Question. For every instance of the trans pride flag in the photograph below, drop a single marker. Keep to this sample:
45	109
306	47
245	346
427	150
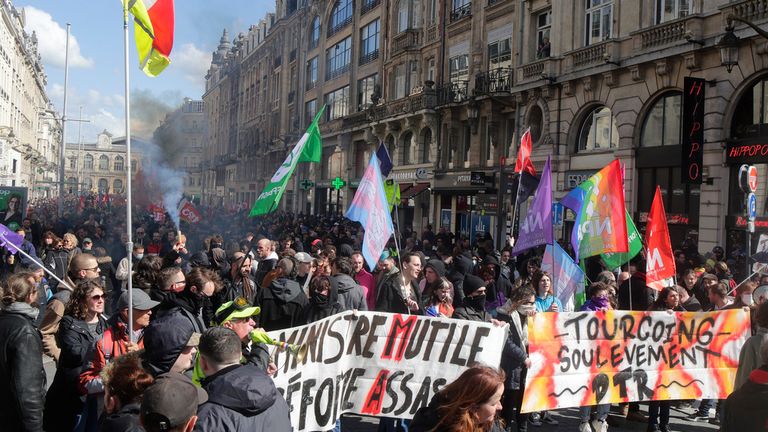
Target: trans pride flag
601	224
370	208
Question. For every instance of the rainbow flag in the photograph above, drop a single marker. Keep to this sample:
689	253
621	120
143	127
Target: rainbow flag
600	226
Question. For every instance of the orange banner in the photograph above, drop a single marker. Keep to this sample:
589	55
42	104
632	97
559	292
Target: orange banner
589	358
660	261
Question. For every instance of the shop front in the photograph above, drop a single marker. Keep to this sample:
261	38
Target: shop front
457	195
415	200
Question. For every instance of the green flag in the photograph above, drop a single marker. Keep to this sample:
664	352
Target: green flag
618	259
308	149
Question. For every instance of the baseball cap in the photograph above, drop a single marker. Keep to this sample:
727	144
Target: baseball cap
303	257
87	240
170	402
315	242
141	301
237	308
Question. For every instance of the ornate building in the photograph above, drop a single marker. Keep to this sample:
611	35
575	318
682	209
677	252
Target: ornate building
30	132
451	86
100	166
183	132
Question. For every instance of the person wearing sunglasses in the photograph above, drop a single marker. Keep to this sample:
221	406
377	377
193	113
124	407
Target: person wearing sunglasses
81	327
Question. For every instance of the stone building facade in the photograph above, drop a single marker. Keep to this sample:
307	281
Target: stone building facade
449	87
182	133
30	131
100	167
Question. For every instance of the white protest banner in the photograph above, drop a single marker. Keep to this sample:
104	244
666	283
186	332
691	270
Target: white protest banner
377	363
589	358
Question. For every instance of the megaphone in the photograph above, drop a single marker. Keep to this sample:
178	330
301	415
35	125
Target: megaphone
299	351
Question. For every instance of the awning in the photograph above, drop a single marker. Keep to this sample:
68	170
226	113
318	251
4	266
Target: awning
413	190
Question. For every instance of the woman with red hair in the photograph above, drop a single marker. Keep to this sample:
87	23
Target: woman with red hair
469	404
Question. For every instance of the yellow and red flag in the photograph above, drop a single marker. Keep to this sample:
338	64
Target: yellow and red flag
153	29
659	258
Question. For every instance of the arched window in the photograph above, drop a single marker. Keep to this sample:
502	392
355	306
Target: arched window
87	184
103	185
341	15
117	186
662	124
88	162
598	132
751	116
119	163
103	163
314	33
408	149
426	145
72	184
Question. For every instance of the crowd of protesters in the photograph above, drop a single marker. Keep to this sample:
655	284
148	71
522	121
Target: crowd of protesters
200	291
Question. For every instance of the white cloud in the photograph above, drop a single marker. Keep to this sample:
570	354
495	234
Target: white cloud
51	40
192	62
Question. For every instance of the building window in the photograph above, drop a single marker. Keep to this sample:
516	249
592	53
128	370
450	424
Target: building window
751	119
668	10
426	145
461	9
87	184
337	103
368	5
598	132
103	185
119	163
338	58
458	68
543	27
432	11
400	91
599	21
369	42
88	162
365	88
431	70
341	16
662	125
311	72
72	163
467	147
408	149
314	33
413	76
408	15
500	54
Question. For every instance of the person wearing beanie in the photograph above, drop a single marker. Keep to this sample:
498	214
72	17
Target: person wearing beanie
434	270
473	305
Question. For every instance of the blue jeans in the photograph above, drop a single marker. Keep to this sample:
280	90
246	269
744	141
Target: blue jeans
601	412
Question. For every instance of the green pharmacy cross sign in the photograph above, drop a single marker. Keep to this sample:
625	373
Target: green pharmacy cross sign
306	184
338	183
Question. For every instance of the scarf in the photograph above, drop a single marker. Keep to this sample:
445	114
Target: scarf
22	308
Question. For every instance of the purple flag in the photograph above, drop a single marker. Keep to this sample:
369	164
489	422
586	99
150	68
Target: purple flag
536	228
9	239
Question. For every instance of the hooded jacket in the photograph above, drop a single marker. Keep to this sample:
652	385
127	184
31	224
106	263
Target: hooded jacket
282	305
462	266
242	398
351	295
21	370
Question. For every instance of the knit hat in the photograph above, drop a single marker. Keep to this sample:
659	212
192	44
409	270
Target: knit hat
471	284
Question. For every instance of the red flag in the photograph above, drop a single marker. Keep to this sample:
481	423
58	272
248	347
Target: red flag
523	162
660	261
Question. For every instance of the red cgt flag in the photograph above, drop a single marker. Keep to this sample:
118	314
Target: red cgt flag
523	162
660	261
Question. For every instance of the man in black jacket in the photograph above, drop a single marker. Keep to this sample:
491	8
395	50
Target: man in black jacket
401	294
283	301
473	305
240	397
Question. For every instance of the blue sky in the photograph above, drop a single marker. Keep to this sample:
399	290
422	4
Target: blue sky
96	78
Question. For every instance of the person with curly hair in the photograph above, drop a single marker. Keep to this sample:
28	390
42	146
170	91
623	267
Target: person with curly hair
469	404
80	328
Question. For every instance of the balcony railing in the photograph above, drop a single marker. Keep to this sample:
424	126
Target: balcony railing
432	33
589	55
368	57
406	40
368	5
497	80
751	10
662	34
461	12
453	92
337	28
331	74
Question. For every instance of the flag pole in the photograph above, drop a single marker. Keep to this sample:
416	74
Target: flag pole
517	193
128	201
53	275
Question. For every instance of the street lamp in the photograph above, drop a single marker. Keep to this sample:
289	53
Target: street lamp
729	43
